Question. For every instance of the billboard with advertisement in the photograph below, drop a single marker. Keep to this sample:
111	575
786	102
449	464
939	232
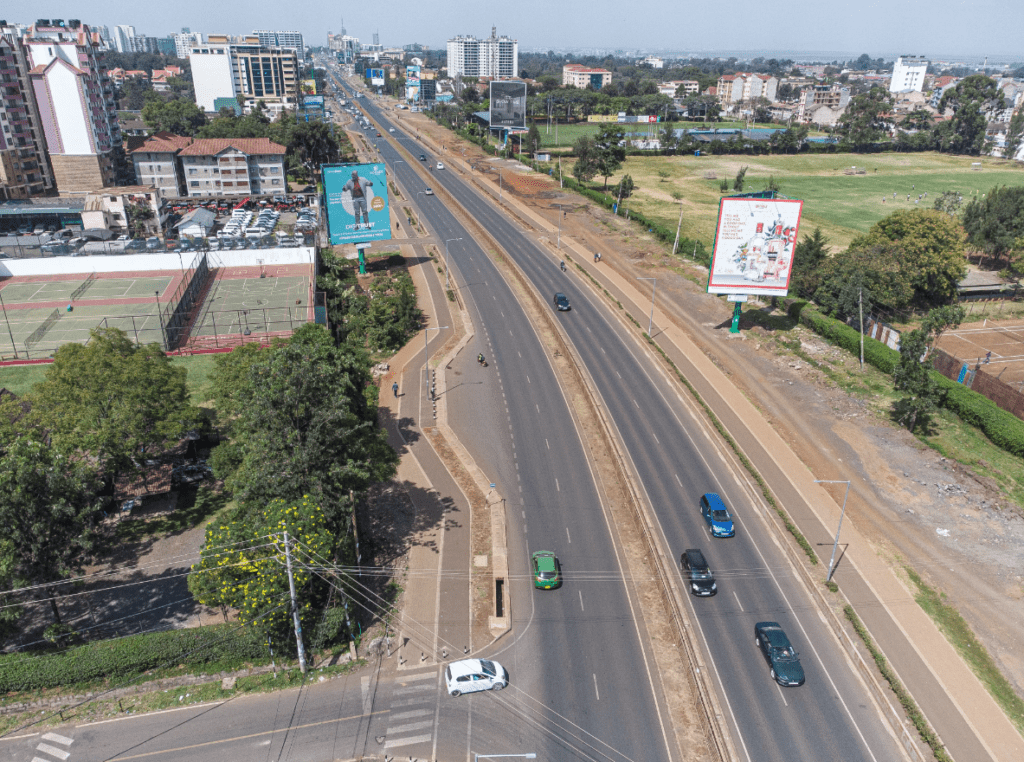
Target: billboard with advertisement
754	244
412	84
376	77
508	105
357	202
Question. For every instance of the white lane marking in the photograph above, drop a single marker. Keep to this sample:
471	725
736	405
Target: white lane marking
595	688
581	600
412	688
413	678
538	408
524	514
782	693
365	684
617	374
678	479
407	741
53	751
528	380
738	601
510	333
58	739
557	488
655	437
637	404
567	535
411	726
547	443
520	354
602	349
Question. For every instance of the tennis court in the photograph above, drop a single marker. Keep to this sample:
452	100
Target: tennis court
1004	340
84	288
249	306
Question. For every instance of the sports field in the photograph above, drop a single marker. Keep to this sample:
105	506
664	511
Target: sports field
841	205
996	346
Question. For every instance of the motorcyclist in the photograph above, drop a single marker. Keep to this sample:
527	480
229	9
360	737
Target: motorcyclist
480	358
562	265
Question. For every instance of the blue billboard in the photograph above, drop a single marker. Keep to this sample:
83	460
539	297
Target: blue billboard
376	77
357	202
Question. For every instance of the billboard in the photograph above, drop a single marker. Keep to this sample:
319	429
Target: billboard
376	77
754	245
412	84
313	101
357	202
508	105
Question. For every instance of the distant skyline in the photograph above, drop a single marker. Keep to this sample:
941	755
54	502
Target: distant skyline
938	29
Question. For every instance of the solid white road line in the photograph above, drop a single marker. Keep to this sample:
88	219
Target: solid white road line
595	688
738	601
581	600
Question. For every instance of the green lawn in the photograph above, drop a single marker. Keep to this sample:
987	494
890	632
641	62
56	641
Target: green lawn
21	378
841	205
567	133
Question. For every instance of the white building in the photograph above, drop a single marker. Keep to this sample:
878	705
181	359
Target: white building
124	38
226	67
185	41
493	57
908	74
654	62
290	40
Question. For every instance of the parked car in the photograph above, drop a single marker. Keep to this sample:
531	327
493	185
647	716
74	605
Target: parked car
153	243
547	574
717	516
472	675
779	653
697	573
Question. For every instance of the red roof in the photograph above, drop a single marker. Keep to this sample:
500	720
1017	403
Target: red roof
248	146
163	142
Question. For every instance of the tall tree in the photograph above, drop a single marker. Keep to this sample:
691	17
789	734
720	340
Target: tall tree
314	144
1014	135
178	116
971	100
808	256
113	399
994	223
533	139
610	151
586	165
912	376
867	118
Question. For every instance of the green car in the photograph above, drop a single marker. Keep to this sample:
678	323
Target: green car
546	573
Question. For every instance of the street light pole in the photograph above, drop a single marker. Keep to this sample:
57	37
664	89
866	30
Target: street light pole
560	214
678	228
447	279
835	545
654	287
426	353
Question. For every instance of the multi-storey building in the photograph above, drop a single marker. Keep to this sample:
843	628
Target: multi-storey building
226	67
832	97
185	41
908	74
210	167
289	40
75	98
746	87
494	57
124	38
578	75
24	166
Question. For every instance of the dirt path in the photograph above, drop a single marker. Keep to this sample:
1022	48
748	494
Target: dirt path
945	521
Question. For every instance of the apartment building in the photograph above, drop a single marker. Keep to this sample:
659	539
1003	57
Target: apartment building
690	87
578	75
745	87
226	67
812	99
288	40
75	98
216	167
24	165
908	73
494	57
184	41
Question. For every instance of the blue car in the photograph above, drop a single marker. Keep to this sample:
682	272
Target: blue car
713	509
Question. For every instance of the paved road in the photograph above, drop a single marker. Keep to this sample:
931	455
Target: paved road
831	717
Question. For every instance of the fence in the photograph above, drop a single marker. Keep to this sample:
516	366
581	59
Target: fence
1001	393
223	329
37	335
175	316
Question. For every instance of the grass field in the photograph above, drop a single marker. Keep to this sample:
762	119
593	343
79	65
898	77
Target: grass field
841	205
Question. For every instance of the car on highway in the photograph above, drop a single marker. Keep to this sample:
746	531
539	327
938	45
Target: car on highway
423	157
715	513
698	573
547	573
378	134
779	653
562	302
391	129
440	165
428	192
471	675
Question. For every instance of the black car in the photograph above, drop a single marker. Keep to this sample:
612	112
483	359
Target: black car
423	157
779	653
697	572
562	302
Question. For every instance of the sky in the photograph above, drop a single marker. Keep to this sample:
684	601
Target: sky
881	28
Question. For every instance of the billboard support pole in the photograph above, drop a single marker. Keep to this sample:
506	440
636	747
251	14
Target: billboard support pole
735	327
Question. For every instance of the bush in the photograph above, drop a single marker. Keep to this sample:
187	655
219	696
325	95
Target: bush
216	648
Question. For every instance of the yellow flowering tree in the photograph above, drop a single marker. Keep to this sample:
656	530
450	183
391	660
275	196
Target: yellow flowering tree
242	564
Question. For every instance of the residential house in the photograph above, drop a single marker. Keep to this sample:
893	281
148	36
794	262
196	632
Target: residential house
578	75
157	164
108	208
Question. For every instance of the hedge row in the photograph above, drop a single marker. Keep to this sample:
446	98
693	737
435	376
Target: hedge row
1003	429
226	646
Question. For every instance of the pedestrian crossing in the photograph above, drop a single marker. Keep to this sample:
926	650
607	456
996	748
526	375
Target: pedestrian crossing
413	706
54	752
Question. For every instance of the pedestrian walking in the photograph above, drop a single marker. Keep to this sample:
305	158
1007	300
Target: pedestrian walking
394	388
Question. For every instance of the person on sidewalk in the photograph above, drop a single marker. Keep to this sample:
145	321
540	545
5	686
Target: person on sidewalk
394	388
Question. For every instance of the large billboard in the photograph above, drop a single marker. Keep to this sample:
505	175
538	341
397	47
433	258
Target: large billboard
412	84
754	246
376	77
508	105
357	202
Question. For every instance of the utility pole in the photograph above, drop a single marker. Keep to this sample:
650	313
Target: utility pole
860	309
678	227
295	605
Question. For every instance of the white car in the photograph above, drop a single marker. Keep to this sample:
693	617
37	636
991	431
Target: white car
471	675
440	165
391	129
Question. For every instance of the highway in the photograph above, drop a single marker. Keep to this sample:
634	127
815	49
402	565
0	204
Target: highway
675	460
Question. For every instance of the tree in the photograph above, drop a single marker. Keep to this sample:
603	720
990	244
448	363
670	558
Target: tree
808	256
114	400
970	100
866	119
878	268
918	119
139	216
994	223
932	249
610	151
304	424
790	140
178	116
950	202
314	144
586	166
47	503
738	183
1014	135
624	188
533	139
913	375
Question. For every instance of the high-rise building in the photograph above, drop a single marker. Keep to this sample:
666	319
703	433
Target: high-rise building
492	57
75	98
226	67
290	40
185	41
24	166
124	38
908	74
